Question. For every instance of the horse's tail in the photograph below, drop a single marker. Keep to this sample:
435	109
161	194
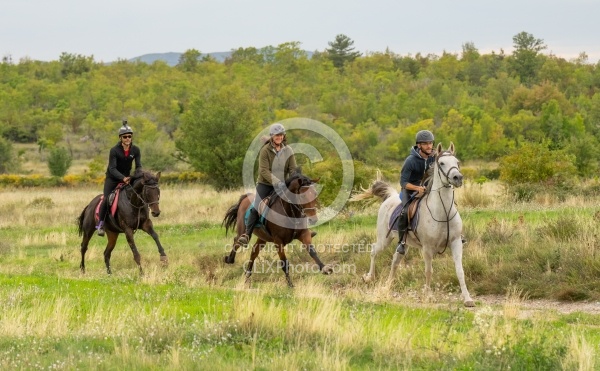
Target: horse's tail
378	189
231	215
80	221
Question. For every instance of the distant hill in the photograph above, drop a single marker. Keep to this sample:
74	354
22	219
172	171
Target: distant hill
172	58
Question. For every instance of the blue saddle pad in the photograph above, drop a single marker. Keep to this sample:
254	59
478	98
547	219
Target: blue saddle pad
394	218
261	220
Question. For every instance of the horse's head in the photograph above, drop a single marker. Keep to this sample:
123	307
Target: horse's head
304	195
448	166
146	186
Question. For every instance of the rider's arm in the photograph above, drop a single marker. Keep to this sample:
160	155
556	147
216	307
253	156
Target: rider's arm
112	165
138	159
405	176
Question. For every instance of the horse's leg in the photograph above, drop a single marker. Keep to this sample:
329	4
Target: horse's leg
134	250
428	258
460	274
396	259
255	250
84	246
230	259
112	241
285	265
240	229
148	227
382	241
306	243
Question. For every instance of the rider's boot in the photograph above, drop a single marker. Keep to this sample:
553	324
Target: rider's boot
100	228
402	228
252	219
102	215
313	234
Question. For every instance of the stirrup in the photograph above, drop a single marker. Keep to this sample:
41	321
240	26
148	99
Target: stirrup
101	231
401	249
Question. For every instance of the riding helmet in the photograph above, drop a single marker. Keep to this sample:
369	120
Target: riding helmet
125	129
424	136
276	128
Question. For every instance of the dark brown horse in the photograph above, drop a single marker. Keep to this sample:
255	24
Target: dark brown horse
134	204
287	220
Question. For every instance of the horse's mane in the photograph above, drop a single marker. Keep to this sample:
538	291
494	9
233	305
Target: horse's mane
297	174
143	174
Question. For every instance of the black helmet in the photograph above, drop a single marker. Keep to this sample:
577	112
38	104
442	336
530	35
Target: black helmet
125	129
424	136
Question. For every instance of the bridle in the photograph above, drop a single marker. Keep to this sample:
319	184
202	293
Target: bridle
297	206
446	184
142	197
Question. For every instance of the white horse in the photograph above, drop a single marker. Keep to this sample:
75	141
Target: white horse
439	227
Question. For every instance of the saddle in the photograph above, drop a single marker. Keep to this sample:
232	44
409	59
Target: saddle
113	201
413	217
263	209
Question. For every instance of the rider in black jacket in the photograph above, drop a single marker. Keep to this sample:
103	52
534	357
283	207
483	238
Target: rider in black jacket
413	171
120	161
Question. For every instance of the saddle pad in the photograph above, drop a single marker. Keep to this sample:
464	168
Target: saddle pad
394	218
261	220
113	206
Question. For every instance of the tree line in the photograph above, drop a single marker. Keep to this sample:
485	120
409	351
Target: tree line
206	113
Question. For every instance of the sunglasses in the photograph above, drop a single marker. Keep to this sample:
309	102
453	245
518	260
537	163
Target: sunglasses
126	136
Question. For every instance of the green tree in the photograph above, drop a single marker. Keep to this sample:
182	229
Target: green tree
75	64
7	158
59	161
341	52
189	60
525	61
215	133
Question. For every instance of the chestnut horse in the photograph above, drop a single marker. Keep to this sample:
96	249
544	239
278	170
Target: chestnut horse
287	219
132	214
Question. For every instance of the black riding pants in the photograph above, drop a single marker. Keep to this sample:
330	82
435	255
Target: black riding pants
262	191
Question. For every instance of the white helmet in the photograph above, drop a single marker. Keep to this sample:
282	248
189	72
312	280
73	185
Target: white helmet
276	129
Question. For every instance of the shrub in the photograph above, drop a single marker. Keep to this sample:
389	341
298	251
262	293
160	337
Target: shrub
536	163
59	161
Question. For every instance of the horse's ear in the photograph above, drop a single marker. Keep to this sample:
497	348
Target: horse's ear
158	176
451	149
439	148
297	171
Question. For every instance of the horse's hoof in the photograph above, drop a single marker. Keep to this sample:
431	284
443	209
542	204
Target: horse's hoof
164	260
227	260
327	270
469	304
366	278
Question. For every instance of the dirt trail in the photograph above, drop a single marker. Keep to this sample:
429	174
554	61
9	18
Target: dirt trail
543	304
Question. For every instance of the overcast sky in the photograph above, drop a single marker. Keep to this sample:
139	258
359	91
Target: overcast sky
113	29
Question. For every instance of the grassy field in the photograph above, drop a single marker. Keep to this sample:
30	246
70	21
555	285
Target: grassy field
197	313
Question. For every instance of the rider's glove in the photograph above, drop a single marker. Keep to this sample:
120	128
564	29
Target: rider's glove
280	187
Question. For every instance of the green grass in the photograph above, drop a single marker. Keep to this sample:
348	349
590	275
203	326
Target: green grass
198	313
